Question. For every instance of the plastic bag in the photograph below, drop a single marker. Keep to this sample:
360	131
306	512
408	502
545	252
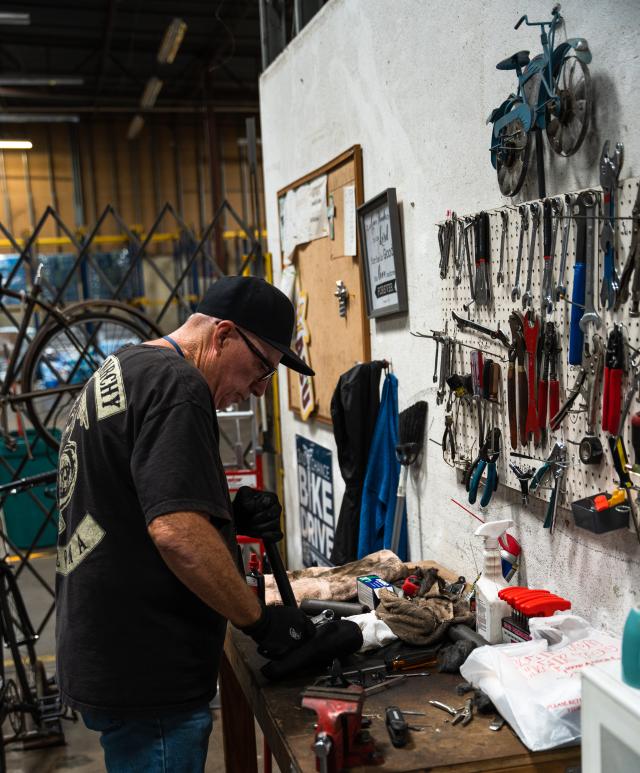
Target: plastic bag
536	685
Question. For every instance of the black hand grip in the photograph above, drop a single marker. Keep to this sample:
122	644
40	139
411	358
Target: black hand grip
546	228
280	574
519	22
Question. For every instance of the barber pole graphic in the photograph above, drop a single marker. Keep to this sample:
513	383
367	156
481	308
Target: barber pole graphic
305	383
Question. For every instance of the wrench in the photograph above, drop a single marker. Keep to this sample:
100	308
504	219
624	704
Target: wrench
609	172
567	212
535	217
547	276
524	226
458	257
466	229
590	316
504	214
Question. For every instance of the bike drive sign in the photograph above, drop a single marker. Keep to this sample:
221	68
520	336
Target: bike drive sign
315	493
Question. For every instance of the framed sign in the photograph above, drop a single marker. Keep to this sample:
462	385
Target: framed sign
315	493
383	257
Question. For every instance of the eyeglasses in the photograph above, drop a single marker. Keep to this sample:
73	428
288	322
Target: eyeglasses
254	349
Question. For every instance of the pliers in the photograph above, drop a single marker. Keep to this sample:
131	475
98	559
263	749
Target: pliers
612	391
450	437
488	456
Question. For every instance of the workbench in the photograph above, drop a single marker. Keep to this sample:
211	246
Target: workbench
439	747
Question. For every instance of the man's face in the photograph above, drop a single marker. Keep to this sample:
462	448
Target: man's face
245	367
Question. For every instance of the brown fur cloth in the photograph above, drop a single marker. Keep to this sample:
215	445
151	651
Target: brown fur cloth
422	621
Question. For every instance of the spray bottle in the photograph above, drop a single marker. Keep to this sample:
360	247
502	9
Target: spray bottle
489	608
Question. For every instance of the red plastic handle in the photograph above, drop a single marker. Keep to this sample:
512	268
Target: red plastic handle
554	397
615	398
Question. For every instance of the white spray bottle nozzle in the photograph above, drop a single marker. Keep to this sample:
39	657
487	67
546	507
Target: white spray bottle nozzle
491	530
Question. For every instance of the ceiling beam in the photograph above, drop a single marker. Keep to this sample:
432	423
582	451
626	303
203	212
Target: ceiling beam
106	44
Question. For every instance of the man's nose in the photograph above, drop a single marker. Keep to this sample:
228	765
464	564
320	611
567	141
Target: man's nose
258	388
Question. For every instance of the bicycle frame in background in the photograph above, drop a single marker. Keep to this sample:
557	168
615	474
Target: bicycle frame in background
554	94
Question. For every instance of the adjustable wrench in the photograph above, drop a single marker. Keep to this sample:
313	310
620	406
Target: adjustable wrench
504	214
555	207
590	316
567	212
535	217
524	226
609	172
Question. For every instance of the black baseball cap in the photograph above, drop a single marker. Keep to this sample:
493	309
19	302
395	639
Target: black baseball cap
258	307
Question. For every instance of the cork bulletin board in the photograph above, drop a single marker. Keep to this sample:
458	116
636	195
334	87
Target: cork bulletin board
336	343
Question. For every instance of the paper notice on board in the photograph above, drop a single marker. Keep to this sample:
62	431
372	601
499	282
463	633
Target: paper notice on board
316	212
349	219
288	224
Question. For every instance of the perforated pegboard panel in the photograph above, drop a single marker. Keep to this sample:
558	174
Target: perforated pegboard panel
580	480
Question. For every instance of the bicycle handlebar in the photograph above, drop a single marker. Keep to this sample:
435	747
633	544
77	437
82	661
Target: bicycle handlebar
520	20
556	18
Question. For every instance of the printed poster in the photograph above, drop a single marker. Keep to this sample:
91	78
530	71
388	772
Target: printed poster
315	496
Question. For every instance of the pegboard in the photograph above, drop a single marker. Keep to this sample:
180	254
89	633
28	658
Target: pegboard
580	480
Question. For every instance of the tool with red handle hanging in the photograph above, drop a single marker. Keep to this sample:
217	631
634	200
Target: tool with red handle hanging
531	332
612	392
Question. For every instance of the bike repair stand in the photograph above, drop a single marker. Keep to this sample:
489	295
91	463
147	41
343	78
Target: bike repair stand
542	187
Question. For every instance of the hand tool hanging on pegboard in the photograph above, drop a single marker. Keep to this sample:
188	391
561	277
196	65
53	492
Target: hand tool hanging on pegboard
504	234
487	458
482	293
590	449
517	394
552	214
446	241
459	247
477	367
445	366
548	386
609	171
527	298
554	466
576	336
567	217
613	372
468	231
531	332
632	264
496	334
590	315
524	227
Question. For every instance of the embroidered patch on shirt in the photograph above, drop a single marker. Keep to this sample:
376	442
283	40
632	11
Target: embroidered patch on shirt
109	389
83	540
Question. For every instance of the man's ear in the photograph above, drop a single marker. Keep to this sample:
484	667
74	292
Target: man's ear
223	331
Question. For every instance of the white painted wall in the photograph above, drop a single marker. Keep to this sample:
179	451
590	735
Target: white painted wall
412	82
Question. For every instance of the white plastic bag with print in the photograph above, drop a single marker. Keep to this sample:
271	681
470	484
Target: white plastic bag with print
535	685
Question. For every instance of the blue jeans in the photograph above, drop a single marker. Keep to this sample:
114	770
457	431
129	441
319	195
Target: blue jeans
176	743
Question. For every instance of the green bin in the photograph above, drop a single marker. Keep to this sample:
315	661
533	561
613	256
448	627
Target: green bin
22	515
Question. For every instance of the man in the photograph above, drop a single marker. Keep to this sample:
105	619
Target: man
146	578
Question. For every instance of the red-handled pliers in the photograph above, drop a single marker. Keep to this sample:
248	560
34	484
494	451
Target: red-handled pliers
612	391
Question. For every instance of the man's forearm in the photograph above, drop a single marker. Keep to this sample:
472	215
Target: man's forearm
195	552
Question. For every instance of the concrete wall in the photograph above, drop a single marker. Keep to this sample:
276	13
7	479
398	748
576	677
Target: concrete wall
412	82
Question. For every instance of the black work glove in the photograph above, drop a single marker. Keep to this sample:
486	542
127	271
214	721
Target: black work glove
279	631
257	514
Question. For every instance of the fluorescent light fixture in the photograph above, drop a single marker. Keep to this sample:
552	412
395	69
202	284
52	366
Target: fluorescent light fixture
135	127
150	93
15	145
40	80
15	19
38	118
171	41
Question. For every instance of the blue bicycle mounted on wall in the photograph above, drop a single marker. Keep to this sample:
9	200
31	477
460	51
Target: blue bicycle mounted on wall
554	93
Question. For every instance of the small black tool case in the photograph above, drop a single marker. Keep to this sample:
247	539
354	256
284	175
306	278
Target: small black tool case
587	517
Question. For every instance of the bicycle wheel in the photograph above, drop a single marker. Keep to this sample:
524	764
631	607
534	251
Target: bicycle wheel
568	121
60	360
512	157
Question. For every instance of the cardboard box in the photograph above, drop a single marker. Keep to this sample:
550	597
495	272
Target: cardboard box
369	587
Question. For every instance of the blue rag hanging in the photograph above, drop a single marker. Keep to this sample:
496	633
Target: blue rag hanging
381	481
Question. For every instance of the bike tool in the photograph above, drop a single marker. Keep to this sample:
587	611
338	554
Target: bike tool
397	726
609	172
531	332
517	395
552	212
482	292
590	316
632	264
554	466
504	215
576	336
613	372
567	217
524	475
590	449
524	227
489	454
467	229
527	298
548	386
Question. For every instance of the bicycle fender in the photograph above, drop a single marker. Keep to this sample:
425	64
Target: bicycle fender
521	111
499	111
577	47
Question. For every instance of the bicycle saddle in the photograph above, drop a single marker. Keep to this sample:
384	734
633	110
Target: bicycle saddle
519	59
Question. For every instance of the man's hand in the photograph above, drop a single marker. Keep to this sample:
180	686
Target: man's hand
257	514
280	630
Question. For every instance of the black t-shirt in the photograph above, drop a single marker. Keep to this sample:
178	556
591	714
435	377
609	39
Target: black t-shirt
141	441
